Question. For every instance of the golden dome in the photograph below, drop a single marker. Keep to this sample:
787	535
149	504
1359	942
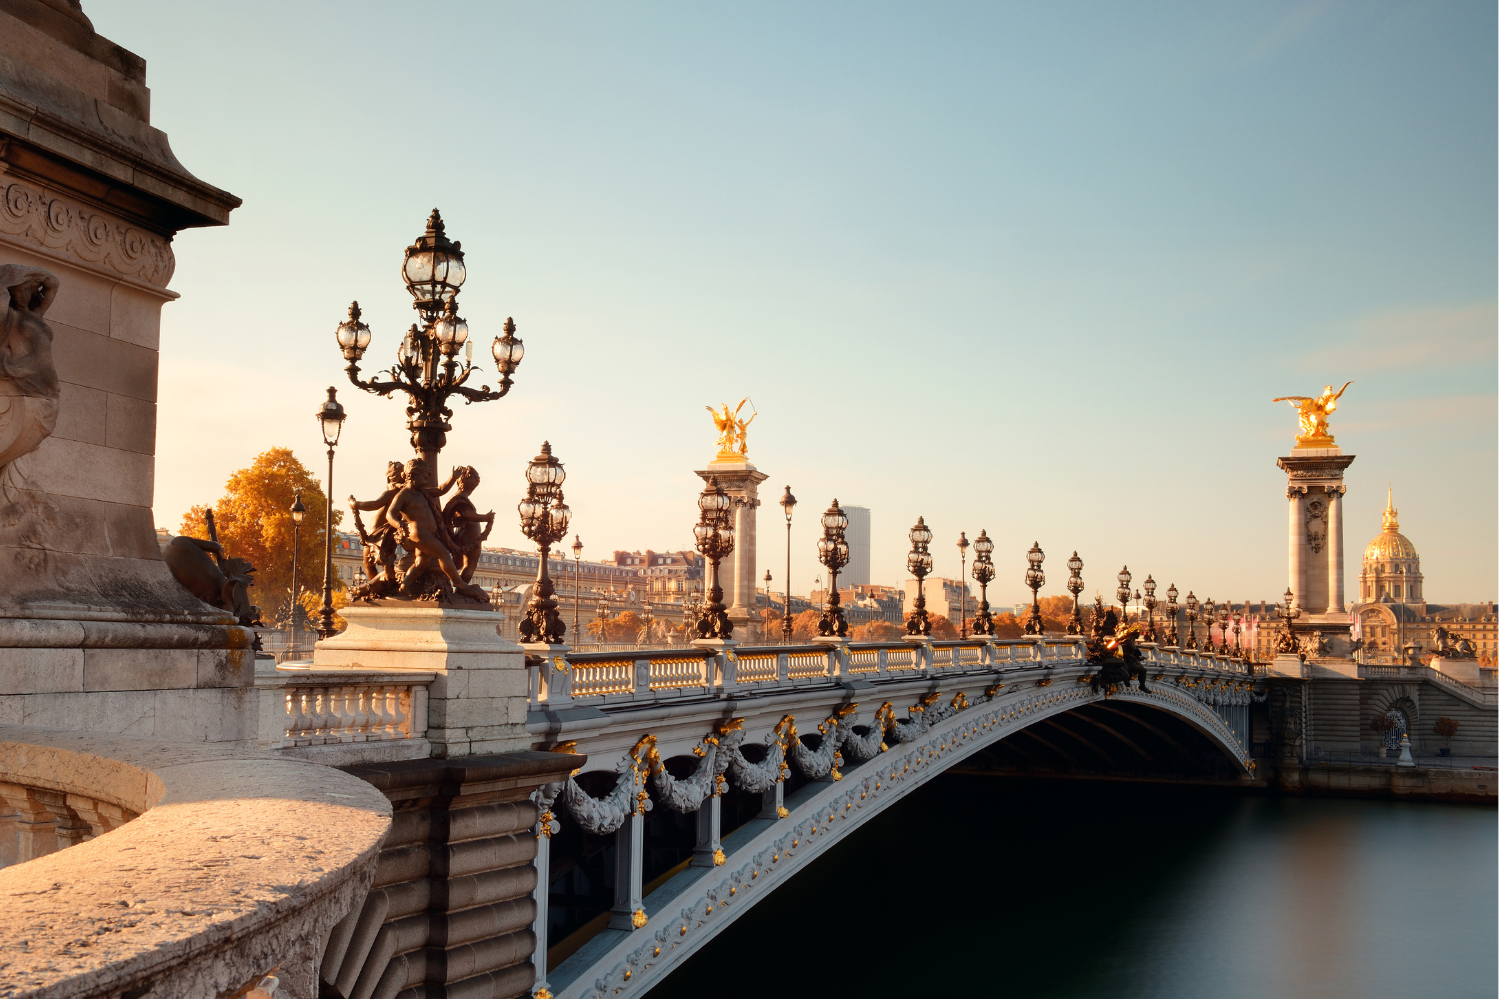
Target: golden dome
1390	543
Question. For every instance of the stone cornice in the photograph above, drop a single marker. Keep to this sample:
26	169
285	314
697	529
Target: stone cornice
78	234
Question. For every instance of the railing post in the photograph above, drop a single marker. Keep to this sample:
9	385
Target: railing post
560	680
723	670
706	851
783	667
628	861
879	661
642	683
773	802
544	828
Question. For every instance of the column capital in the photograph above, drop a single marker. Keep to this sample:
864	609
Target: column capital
1294	490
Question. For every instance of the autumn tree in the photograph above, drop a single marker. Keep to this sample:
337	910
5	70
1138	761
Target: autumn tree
254	522
876	631
804	626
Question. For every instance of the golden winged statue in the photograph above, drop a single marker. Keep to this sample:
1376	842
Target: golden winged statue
733	433
1313	411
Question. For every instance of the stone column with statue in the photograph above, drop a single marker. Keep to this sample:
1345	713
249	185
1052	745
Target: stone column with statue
1314	488
737	477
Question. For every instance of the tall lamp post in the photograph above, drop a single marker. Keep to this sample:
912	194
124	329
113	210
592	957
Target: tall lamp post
603	611
1123	593
919	564
1223	612
577	585
1209	609
1150	606
543	518
331	416
298	511
832	551
765	618
715	540
648	615
1172	638
788	501
1035	579
1075	586
1191	604
1238	617
962	593
983	574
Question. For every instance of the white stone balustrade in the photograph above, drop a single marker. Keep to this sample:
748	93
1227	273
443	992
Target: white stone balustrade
344	716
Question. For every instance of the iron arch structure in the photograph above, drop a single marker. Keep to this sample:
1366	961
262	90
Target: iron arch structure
699	800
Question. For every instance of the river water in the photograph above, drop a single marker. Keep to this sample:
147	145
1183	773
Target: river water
980	886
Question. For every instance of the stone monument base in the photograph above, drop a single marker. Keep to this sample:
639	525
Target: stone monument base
477	703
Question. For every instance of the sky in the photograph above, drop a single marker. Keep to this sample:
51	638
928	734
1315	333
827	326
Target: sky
1032	268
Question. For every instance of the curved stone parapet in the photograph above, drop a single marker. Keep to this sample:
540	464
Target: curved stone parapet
236	869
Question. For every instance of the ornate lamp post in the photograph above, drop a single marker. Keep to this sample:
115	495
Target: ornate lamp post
1191	620
1171	612
963	593
603	612
1123	594
496	595
648	615
1223	613
1208	610
1238	617
788	501
298	511
1287	612
427	368
919	564
543	519
832	551
1035	579
715	540
331	416
1075	586
577	584
983	574
765	618
1150	606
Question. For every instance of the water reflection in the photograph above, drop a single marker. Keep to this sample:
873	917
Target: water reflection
978	886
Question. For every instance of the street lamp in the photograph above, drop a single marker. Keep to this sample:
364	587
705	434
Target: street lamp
962	593
919	564
1191	620
715	540
648	615
832	551
543	518
1287	612
1223	613
1238	617
765	618
298	511
426	367
983	574
1172	638
1208	610
577	584
1075	586
603	610
330	416
1150	606
1035	579
787	502
1123	594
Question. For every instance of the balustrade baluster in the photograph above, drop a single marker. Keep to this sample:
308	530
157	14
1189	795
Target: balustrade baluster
361	722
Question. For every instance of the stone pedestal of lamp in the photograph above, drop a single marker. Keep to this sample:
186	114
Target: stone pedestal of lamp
95	633
477	704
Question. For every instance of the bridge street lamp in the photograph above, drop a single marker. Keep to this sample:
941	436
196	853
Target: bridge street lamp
1223	613
788	501
1238	617
648	615
1208	610
765	618
1075	586
715	540
426	367
1123	594
919	564
577	584
983	574
330	416
603	612
298	511
543	519
1172	612
832	551
1035	579
1191	620
1287	612
963	593
1150	606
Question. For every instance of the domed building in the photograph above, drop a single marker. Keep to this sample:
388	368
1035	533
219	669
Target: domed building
1392	569
1392	611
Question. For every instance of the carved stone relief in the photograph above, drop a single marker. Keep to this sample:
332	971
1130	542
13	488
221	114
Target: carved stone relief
90	236
1316	525
29	389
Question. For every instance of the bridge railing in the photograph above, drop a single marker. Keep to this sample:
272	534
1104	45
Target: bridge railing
607	678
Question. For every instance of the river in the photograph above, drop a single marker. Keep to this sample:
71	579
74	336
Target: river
980	886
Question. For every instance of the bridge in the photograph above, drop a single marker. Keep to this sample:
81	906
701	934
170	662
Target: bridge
713	775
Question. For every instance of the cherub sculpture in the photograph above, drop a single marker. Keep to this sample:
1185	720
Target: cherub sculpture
1313	411
29	389
466	525
415	514
379	542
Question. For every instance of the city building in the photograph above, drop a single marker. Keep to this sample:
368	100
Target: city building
856	573
949	597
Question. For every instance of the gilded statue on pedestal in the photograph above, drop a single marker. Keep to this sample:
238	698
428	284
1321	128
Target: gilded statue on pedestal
1313	411
733	433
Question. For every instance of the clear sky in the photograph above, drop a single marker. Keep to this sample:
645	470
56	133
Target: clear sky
1035	268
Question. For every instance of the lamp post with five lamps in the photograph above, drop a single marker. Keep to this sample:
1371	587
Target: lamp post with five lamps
983	574
832	551
714	537
919	564
1075	586
543	518
1035	579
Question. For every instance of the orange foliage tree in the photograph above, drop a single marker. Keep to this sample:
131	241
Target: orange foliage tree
804	626
876	631
254	522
